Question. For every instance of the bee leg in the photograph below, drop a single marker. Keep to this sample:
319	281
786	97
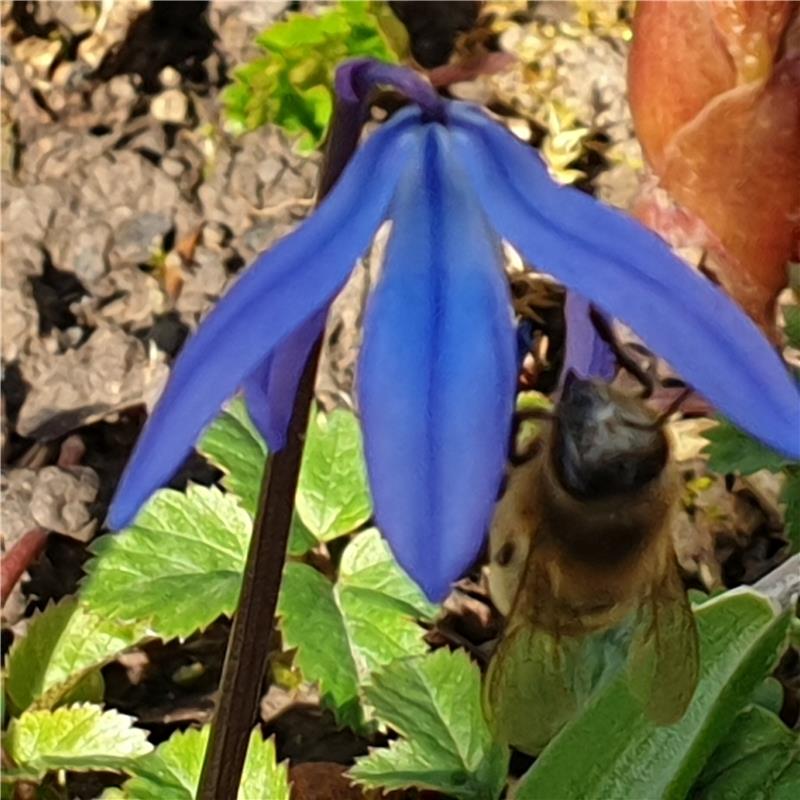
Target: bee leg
645	376
452	637
517	456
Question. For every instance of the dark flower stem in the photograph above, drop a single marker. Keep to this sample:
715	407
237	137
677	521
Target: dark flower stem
249	643
246	658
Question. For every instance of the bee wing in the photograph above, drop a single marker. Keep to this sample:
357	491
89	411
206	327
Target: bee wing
527	695
537	682
663	662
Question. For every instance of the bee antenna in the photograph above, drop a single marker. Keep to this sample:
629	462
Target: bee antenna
605	332
674	405
664	415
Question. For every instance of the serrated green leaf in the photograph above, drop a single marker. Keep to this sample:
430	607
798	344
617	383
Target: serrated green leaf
612	752
234	445
434	702
368	570
90	688
76	738
61	648
292	84
760	758
332	491
179	567
346	630
732	450
769	695
262	775
790	497
791	315
301	540
311	621
172	772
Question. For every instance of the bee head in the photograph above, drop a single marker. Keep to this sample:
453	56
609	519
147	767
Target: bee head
605	443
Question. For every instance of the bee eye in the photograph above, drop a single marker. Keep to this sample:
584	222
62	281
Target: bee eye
505	554
601	445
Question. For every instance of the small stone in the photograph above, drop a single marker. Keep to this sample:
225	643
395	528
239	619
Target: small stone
140	237
169	77
75	18
93	49
20	319
56	101
60	500
21	258
215	234
270	169
151	140
71	75
125	296
173	167
39	53
17	489
29	211
71	337
82	249
521	128
110	372
121	87
62	74
262	235
12	80
473	91
203	283
171	106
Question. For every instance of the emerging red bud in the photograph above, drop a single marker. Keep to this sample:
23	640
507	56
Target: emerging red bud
715	95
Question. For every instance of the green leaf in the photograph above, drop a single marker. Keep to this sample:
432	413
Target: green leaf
172	772
760	758
769	695
612	752
790	496
530	429
732	450
332	492
234	445
301	540
346	630
62	646
791	315
291	85
311	621
434	702
178	568
76	738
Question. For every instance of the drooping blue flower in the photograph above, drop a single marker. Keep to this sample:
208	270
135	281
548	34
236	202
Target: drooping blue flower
437	372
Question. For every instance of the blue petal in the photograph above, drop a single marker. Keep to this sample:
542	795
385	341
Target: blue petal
437	373
631	274
587	355
283	288
270	389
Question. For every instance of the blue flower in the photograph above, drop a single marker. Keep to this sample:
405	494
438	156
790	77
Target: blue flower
437	372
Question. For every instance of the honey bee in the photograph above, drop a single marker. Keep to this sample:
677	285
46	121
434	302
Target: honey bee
583	566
